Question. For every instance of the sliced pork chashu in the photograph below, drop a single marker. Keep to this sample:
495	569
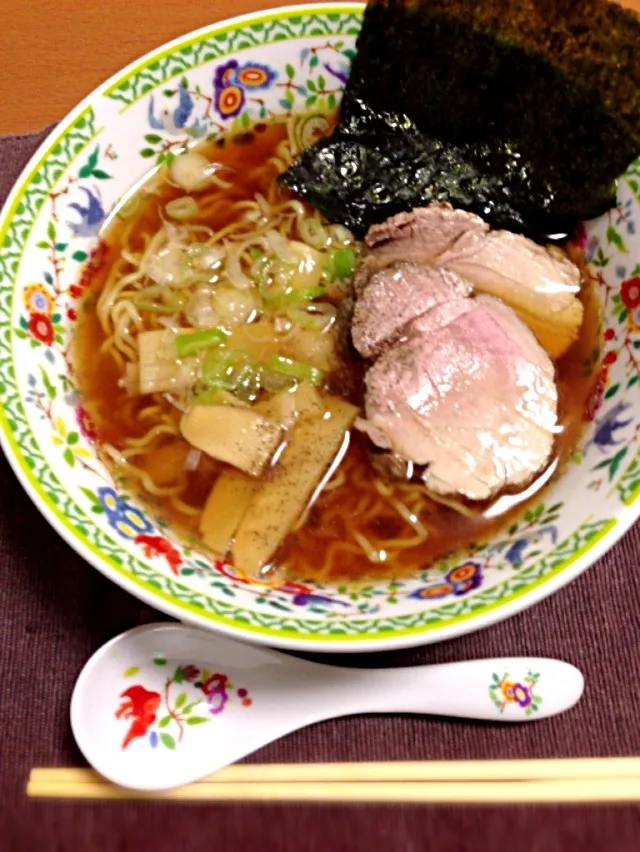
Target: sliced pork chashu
542	287
394	296
470	394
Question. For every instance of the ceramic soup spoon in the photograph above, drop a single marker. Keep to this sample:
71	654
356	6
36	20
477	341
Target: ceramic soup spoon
165	705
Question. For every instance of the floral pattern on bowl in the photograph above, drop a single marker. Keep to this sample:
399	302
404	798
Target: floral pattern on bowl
224	79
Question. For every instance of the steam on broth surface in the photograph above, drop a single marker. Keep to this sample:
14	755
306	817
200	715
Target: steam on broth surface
213	350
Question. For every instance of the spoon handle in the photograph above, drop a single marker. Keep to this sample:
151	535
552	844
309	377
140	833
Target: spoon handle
509	689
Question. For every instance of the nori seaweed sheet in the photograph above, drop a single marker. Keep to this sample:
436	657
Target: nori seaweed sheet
514	109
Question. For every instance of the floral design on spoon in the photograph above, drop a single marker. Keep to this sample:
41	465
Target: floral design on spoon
162	718
505	690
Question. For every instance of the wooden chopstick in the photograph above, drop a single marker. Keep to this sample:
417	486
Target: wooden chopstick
452	792
502	782
417	770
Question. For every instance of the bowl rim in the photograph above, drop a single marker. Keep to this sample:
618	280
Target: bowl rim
381	640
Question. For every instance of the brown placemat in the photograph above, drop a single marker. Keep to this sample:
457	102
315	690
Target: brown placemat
55	611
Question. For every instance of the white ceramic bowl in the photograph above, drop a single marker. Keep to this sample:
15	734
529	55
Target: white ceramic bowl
276	61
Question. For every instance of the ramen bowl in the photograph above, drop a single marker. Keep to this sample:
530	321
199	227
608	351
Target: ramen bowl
282	61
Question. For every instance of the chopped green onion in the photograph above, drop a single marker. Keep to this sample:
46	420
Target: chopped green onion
167	303
217	396
313	233
218	366
260	272
315	321
204	257
282	274
291	297
247	382
182	208
344	262
154	308
281	247
231	371
340	234
255	253
340	263
308	129
196	341
167	265
307	294
295	370
193	172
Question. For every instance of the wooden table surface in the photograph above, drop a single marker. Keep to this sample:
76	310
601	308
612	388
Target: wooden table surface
54	52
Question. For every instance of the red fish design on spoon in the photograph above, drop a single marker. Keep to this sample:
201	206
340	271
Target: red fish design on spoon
140	705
